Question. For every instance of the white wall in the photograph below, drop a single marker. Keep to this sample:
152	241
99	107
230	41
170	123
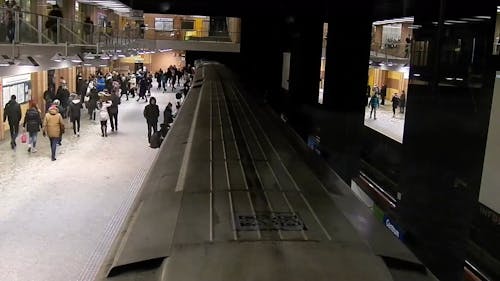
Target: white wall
490	183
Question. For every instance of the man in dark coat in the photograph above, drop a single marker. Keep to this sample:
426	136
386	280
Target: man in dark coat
151	113
113	112
12	112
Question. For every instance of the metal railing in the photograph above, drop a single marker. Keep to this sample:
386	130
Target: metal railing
30	28
391	50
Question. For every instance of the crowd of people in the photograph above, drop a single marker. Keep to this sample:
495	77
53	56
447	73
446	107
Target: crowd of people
377	97
101	94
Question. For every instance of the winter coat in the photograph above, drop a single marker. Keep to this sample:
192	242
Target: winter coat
53	123
167	115
12	112
151	112
113	108
63	96
74	110
395	101
32	120
103	111
374	101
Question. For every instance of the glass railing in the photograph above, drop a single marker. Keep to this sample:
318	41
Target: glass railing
192	35
26	27
391	50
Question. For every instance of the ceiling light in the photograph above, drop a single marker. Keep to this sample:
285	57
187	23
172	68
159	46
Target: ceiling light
456	21
5	61
75	59
58	57
471	19
105	56
483	17
89	56
26	61
87	64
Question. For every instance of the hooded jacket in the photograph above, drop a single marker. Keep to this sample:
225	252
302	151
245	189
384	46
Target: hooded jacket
32	120
103	112
53	123
151	111
74	109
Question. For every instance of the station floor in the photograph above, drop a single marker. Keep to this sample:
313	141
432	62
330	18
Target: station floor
386	124
58	219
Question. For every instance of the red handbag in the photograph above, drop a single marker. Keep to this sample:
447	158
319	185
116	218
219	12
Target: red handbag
24	138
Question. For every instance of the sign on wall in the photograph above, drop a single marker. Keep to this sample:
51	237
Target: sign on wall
19	85
164	24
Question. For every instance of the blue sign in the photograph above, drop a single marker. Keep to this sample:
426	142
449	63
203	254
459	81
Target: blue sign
394	228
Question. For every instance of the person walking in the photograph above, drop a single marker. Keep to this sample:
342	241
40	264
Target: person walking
88	29
151	113
143	87
374	103
75	114
113	112
104	116
12	113
383	94
32	124
402	102
53	127
51	24
395	104
92	104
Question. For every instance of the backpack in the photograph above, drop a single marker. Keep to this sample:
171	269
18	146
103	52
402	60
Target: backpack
178	95
155	141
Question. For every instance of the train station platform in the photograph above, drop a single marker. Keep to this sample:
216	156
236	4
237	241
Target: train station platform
58	219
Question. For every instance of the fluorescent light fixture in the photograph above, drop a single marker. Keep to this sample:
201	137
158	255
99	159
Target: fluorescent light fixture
416	74
449	78
121	55
87	64
105	56
5	61
75	59
103	65
89	56
456	21
58	57
459	79
483	17
471	19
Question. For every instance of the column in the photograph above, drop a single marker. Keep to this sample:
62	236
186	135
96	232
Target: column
346	77
449	99
305	61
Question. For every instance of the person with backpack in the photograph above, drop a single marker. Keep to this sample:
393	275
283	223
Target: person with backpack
151	113
167	114
51	24
12	113
32	124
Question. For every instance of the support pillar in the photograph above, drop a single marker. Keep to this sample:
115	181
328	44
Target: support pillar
346	76
448	107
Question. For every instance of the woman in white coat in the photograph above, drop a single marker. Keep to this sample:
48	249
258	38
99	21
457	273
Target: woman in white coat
104	116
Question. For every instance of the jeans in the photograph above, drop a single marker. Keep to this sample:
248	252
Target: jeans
33	138
152	128
14	131
104	128
113	119
374	111
53	146
76	125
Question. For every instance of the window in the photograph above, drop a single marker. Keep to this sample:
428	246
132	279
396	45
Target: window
164	24
187	24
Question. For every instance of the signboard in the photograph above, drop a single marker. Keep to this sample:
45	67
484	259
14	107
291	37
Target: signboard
19	85
164	24
394	228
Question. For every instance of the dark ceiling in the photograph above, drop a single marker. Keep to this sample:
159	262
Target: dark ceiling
381	8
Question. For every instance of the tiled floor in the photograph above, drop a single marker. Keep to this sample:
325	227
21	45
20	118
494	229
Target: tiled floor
57	218
386	124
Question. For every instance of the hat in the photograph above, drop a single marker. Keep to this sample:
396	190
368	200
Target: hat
56	102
